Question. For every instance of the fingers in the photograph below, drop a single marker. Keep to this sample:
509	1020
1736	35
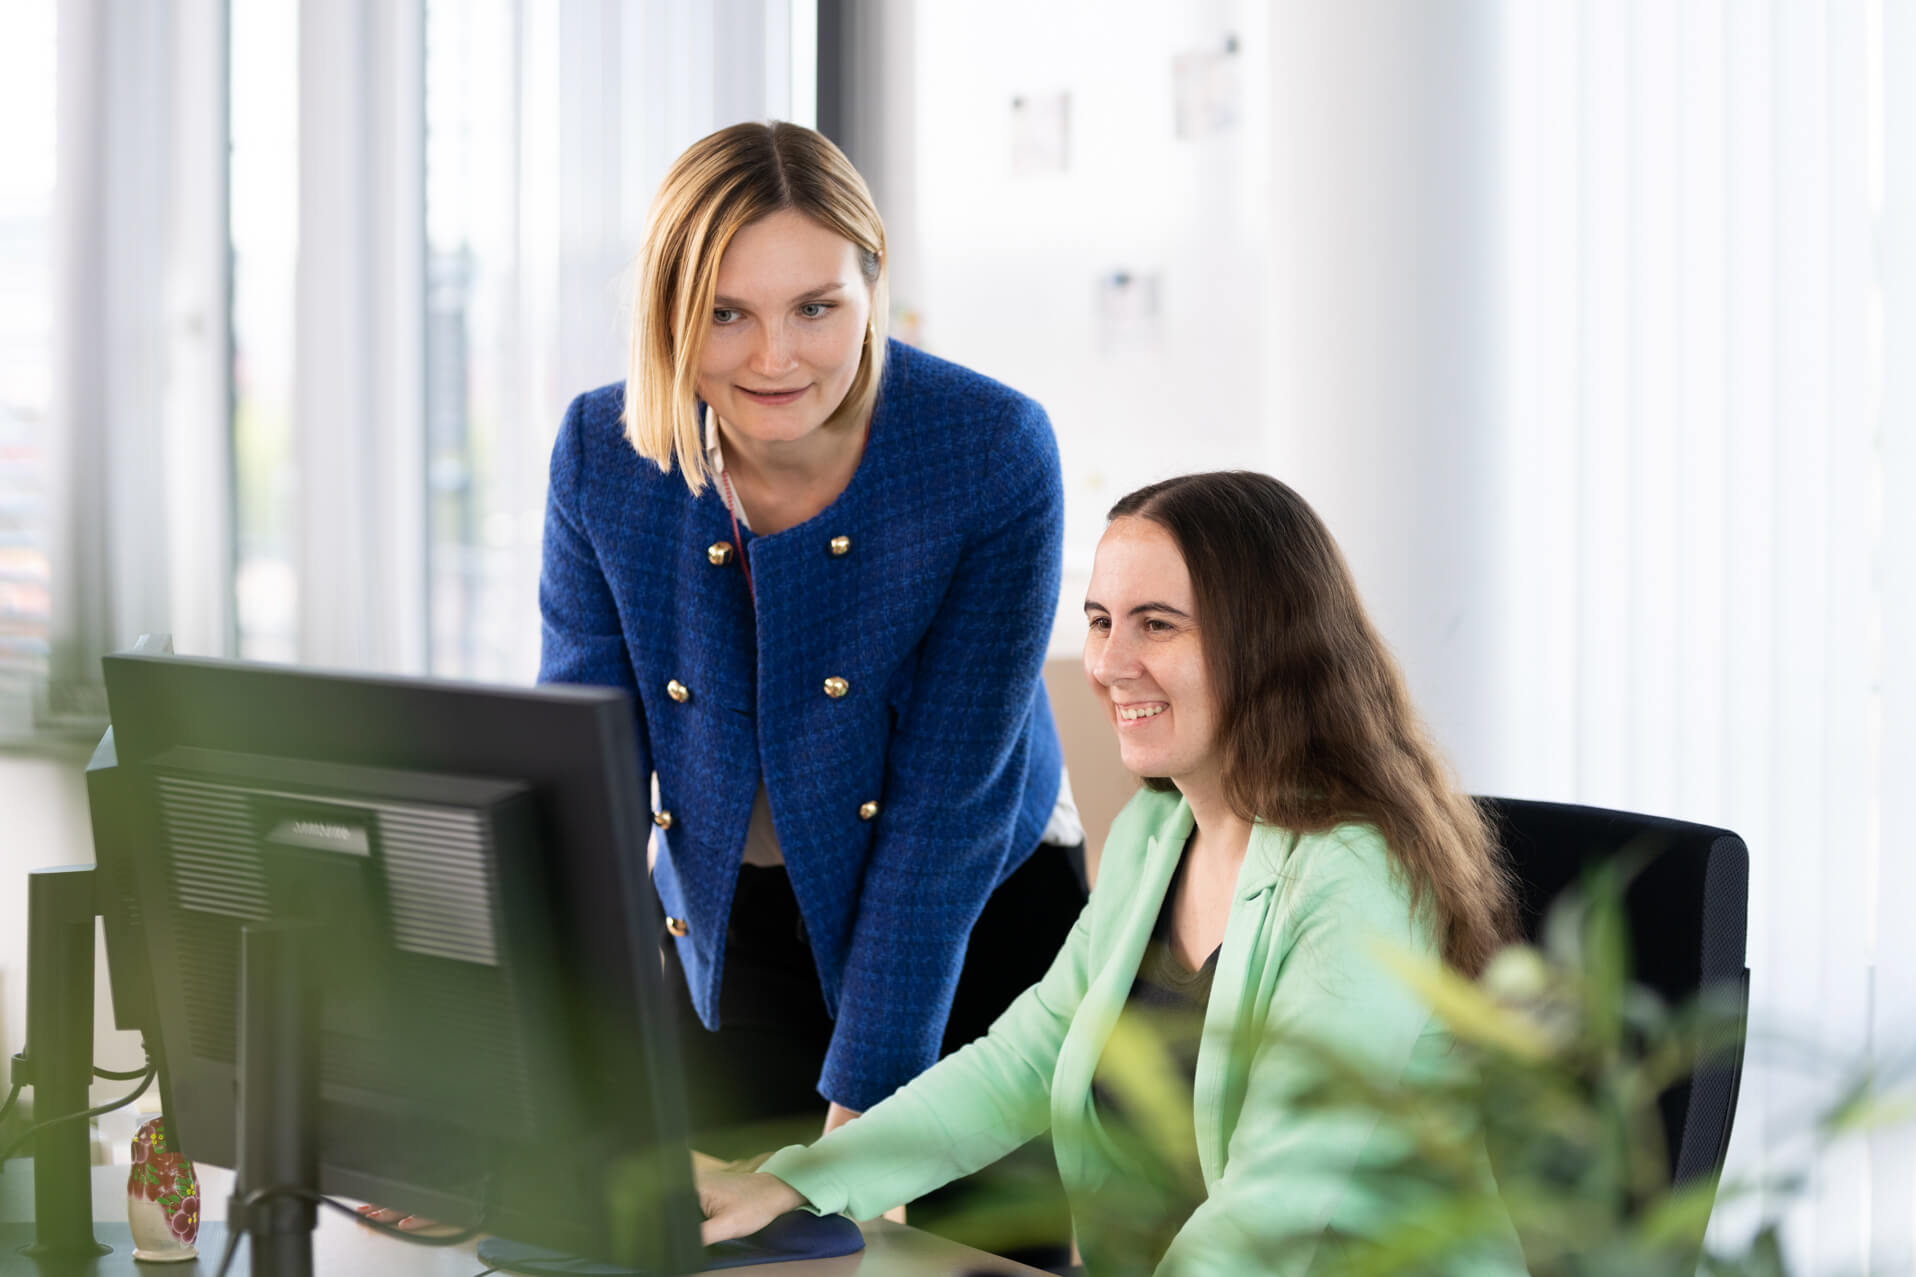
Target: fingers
719	1229
728	1219
721	1202
736	1205
402	1221
420	1224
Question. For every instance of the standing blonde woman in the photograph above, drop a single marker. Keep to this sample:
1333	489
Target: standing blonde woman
826	566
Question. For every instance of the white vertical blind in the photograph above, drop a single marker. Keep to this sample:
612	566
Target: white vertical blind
1694	260
359	323
28	56
1892	26
262	88
197	399
138	382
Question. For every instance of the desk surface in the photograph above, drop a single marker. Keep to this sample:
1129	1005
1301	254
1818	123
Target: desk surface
341	1246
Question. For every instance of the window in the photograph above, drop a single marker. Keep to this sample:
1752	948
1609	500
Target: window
547	128
485	429
27	61
264	193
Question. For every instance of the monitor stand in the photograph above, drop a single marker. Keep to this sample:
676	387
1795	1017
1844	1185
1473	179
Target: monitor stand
16	1193
58	1061
62	1239
278	1093
278	1148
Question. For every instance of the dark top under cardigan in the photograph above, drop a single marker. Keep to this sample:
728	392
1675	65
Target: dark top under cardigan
1163	1015
936	617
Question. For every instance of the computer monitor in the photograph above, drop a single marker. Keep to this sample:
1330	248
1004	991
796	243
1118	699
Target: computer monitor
493	1038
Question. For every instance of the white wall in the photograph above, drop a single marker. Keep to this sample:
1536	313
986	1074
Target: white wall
1008	265
1579	323
1327	273
1382	348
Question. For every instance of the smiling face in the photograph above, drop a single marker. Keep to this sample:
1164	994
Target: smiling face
787	328
1143	656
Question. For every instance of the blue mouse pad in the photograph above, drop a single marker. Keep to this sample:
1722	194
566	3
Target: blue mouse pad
798	1235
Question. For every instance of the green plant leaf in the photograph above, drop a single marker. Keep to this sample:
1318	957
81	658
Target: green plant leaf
1606	967
1140	1069
1470	1013
1680	1216
1863	1108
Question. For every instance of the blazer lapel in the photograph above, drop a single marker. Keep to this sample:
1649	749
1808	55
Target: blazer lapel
1229	1040
1107	990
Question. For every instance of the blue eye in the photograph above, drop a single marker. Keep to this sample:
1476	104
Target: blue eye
723	315
815	310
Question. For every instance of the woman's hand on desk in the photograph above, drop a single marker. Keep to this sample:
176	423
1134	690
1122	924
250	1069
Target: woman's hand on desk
736	1204
403	1222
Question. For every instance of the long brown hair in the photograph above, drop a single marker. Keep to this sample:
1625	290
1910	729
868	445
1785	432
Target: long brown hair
1315	726
722	183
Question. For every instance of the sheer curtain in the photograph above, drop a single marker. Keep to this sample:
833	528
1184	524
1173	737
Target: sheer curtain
28	56
1707	293
547	128
433	204
138	455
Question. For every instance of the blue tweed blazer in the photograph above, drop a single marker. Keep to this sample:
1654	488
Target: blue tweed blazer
937	617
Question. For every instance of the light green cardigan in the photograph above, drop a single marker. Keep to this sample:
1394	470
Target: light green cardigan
1299	957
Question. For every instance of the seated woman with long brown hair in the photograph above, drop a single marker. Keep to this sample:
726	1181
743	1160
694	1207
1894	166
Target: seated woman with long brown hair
1297	825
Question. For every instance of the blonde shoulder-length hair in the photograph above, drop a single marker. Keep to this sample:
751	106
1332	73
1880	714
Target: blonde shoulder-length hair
720	184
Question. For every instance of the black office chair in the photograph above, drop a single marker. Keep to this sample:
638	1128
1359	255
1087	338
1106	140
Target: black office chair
1688	911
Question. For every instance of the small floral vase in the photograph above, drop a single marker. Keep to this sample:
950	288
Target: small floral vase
162	1198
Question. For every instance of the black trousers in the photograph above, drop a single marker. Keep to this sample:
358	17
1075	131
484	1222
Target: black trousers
753	1084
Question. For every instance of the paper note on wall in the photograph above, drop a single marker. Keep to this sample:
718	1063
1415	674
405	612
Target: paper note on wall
1205	87
1040	133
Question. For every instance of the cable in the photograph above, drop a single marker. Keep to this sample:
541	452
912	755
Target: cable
112	1076
146	1080
233	1236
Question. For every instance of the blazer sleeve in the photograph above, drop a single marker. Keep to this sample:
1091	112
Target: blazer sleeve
1291	1172
581	638
957	768
965	1112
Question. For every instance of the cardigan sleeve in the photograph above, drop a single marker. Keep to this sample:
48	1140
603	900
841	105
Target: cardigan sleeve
967	1111
581	638
949	830
1293	1171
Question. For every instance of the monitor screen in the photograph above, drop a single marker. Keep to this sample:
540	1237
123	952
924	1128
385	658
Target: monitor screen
469	865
